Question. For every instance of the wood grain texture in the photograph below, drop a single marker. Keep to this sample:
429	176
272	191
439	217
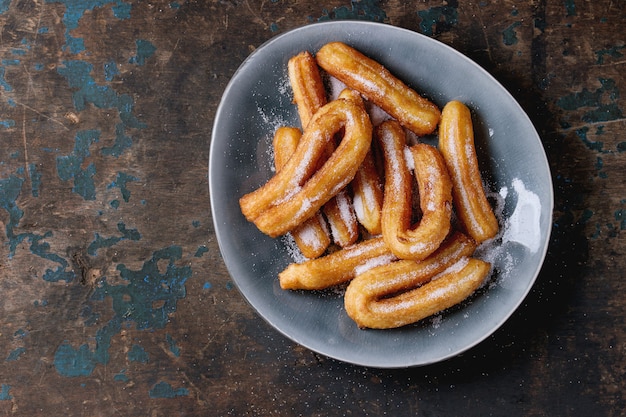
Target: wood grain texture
114	299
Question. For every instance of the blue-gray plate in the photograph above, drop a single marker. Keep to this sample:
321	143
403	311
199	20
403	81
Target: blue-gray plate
513	164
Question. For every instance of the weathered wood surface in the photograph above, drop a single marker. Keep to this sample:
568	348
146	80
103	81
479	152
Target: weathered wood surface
113	297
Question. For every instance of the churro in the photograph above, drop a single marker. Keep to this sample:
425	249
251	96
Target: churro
405	240
309	96
312	236
456	142
293	195
379	86
373	299
337	267
309	93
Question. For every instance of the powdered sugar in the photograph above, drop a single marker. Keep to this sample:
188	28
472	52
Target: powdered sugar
345	208
373	263
524	226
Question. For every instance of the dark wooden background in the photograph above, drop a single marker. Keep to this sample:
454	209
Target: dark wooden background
114	300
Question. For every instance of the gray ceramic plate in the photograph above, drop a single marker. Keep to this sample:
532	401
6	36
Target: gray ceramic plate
258	99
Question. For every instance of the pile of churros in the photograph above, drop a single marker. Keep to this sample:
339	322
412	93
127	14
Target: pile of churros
374	209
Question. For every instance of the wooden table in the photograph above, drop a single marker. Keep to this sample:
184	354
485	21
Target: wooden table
114	299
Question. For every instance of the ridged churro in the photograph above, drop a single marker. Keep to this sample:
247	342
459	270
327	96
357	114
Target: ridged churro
337	267
312	236
309	93
309	96
379	86
456	142
367	195
291	197
408	241
373	299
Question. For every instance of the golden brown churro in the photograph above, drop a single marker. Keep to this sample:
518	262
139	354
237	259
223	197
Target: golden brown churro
367	198
291	197
336	268
456	142
405	240
372	301
309	93
309	96
312	236
379	86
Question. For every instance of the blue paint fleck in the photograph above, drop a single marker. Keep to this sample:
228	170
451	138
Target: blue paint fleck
586	215
4	392
35	179
613	52
10	189
509	35
43	30
20	333
7	123
147	300
165	390
145	49
274	28
229	285
195	223
15	354
122	142
110	70
599	163
207	286
99	242
91	317
602	101
201	251
3	82
121	376
175	5
359	10
70	167
71	362
172	344
570	8
120	181
74	11
115	204
150	295
40	303
78	75
593	145
10	62
122	10
439	19
138	354
4	6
